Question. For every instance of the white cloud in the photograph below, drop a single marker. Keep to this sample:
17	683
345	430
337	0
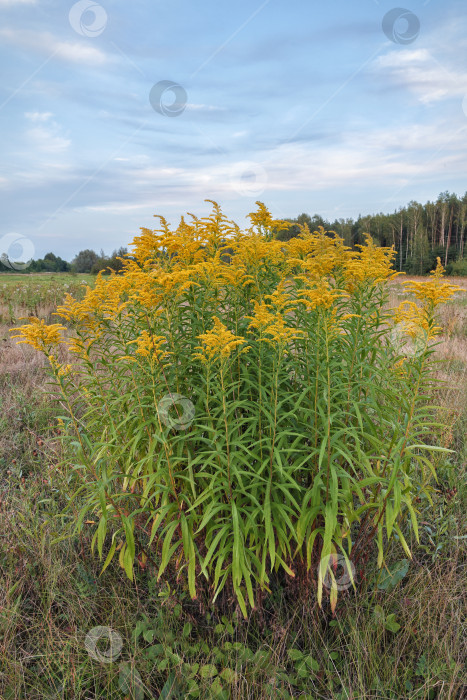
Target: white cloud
45	136
47	44
38	116
204	108
47	141
388	158
419	71
12	3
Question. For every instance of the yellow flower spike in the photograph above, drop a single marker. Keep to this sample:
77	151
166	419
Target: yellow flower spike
39	335
371	263
64	370
432	293
150	346
280	299
147	246
414	320
218	343
262	220
272	324
318	293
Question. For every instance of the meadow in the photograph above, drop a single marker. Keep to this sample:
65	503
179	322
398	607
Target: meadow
37	294
396	631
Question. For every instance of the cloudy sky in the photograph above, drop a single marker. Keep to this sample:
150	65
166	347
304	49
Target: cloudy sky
113	112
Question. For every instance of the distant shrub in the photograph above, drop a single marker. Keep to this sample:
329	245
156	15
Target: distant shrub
239	414
458	268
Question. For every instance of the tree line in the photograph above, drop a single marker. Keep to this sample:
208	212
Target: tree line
86	261
419	232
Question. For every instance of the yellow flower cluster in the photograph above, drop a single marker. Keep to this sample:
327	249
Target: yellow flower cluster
39	335
316	253
214	262
413	320
433	292
104	300
61	369
148	345
262	220
272	324
416	319
370	263
218	343
319	293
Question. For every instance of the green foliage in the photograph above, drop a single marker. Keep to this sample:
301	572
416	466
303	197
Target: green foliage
311	445
391	576
458	268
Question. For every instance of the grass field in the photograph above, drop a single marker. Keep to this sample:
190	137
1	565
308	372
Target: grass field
37	294
403	639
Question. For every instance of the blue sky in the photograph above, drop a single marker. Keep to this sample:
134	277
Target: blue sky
309	106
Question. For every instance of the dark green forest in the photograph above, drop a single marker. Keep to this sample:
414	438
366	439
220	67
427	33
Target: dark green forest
419	232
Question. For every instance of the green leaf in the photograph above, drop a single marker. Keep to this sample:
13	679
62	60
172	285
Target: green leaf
169	689
295	654
154	651
128	564
312	663
228	675
396	572
208	671
109	556
148	635
391	624
101	530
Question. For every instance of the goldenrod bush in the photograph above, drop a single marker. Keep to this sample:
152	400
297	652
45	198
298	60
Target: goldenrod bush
240	405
